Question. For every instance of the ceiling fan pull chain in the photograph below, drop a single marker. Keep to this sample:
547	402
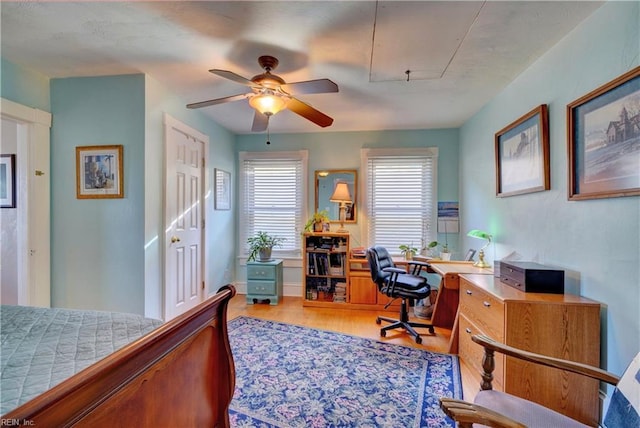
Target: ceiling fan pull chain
268	137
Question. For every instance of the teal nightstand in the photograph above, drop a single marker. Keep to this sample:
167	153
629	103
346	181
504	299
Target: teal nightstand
264	282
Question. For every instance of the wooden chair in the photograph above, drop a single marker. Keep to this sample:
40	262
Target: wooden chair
499	409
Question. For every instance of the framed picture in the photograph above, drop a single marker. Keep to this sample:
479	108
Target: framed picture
223	190
99	172
7	181
603	137
522	154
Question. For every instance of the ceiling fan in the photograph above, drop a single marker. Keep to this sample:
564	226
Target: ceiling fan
270	94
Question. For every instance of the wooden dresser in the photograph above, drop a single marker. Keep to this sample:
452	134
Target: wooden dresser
559	325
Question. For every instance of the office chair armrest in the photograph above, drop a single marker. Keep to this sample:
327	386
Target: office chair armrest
393	278
415	267
394	270
466	414
491	345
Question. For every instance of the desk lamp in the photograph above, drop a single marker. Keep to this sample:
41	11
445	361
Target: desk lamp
342	196
475	233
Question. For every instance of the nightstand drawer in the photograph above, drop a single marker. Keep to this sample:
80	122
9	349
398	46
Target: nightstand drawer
257	271
261	287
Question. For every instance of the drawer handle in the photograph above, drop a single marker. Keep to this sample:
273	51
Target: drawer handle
486	304
469	292
468	330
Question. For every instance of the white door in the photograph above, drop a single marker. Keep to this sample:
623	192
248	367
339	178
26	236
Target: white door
27	277
184	218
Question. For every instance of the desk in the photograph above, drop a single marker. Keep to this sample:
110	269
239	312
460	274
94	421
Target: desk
445	312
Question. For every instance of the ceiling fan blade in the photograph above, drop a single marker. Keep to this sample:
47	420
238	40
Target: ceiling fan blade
233	76
217	101
308	112
319	86
260	122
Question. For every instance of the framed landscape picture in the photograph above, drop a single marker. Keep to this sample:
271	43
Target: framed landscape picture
522	154
603	136
99	172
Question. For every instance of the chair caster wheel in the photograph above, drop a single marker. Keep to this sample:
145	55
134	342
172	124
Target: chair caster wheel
378	321
432	331
418	340
383	333
255	301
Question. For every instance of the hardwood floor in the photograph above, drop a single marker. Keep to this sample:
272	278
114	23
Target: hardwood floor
348	321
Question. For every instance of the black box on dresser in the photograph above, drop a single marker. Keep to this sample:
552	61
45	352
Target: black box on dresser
532	277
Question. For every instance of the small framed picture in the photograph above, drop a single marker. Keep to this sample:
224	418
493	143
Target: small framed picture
223	189
7	181
99	172
522	154
603	136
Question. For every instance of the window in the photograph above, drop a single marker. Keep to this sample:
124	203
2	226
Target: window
400	196
273	198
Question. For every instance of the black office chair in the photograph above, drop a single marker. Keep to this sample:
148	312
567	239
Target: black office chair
397	283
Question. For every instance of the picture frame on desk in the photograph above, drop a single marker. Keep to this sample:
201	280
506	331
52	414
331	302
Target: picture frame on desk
522	154
604	140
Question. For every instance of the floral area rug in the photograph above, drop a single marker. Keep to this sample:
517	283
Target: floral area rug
292	376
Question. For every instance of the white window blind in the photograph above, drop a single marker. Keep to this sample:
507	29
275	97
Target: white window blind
272	198
401	197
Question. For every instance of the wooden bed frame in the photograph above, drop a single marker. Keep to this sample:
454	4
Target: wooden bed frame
179	375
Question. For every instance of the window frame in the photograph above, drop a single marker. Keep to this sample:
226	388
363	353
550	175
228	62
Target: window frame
297	155
430	232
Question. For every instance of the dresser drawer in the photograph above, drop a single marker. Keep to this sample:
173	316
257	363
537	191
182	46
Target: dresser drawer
257	271
261	287
472	353
483	309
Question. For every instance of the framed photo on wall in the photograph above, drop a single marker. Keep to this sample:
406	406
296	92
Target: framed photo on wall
222	185
7	181
522	154
603	137
99	172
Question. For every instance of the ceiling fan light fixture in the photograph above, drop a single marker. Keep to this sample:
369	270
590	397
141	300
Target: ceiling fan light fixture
268	104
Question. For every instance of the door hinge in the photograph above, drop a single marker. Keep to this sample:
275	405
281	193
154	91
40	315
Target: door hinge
203	223
203	285
203	162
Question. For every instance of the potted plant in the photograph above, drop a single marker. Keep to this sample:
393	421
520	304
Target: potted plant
261	245
408	251
317	220
445	254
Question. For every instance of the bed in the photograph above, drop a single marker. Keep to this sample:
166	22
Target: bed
179	373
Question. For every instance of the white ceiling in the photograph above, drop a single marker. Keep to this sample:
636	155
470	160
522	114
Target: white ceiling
460	53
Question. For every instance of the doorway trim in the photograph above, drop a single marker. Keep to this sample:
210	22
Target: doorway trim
34	225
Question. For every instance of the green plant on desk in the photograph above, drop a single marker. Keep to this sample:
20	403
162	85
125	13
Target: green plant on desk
408	251
445	254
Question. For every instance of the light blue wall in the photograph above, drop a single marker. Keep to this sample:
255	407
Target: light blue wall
596	241
104	250
97	244
24	86
341	150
